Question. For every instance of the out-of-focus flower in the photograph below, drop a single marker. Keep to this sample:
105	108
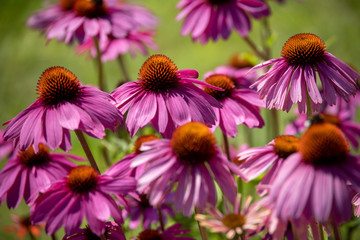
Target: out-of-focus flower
83	193
27	174
170	233
191	159
255	161
356	202
241	221
211	19
6	147
292	78
165	97
22	226
314	182
112	232
111	48
85	19
239	106
63	104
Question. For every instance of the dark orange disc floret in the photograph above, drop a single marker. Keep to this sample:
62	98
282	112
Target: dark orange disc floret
218	2
193	143
67	4
322	117
30	159
158	74
149	234
141	140
237	61
324	144
57	85
221	81
286	145
234	220
90	8
82	179
303	49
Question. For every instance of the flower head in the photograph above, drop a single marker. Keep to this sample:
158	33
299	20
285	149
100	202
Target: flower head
83	193
246	219
22	226
63	104
314	182
240	106
165	97
112	232
82	20
190	159
170	233
27	174
292	78
205	19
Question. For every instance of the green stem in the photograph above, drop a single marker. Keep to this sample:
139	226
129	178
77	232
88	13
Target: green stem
99	65
87	150
123	68
227	147
31	235
308	107
321	231
53	236
266	36
336	232
202	230
161	220
275	123
253	46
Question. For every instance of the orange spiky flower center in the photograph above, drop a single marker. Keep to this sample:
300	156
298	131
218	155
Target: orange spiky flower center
324	144
149	234
31	159
237	61
158	74
90	8
221	81
193	143
82	179
57	85
218	2
67	4
234	220
304	49
141	140
323	117
286	145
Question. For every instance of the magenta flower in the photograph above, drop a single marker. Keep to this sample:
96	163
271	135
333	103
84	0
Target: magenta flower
27	174
356	202
191	159
111	48
85	19
112	232
6	147
314	182
205	19
255	161
63	104
243	220
170	233
83	193
293	76
142	211
240	106
165	97
342	115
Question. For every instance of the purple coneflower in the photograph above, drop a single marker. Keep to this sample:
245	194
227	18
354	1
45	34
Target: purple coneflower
191	159
170	233
292	78
83	193
112	232
6	147
63	104
205	19
240	106
27	174
255	161
111	48
22	226
314	182
356	202
164	96
245	219
84	19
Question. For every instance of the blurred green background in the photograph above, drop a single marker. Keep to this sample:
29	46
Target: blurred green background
25	53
